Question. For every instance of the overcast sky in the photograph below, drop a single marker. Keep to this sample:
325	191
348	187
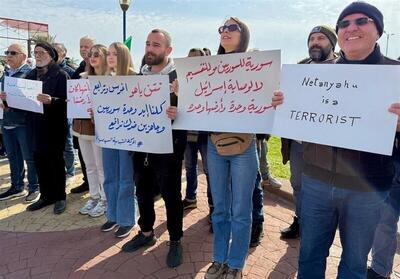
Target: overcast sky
274	24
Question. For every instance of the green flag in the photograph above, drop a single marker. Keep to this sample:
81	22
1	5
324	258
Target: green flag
128	42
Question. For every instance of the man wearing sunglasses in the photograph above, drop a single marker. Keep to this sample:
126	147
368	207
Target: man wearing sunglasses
343	188
321	44
15	133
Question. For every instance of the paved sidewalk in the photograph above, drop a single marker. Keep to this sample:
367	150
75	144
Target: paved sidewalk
58	249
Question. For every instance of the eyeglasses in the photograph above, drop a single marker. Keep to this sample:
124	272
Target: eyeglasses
39	53
11	52
94	54
359	22
230	28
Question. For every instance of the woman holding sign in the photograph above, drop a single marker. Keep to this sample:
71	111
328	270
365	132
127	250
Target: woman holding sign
233	165
83	129
118	167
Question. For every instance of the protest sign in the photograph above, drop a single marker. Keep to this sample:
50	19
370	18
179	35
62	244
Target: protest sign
78	98
130	112
339	105
227	93
22	94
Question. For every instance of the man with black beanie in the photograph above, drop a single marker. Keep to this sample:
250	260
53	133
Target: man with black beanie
343	188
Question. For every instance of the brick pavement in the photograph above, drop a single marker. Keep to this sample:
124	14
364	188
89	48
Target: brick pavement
61	251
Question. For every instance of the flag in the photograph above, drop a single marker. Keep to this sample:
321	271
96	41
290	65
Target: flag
128	42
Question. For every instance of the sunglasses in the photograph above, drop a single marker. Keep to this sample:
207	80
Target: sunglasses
359	22
11	52
94	54
230	28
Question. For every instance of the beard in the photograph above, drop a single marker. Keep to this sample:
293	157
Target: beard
153	59
318	53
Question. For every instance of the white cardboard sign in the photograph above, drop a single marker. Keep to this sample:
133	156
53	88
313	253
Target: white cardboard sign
227	93
130	112
78	98
22	94
339	105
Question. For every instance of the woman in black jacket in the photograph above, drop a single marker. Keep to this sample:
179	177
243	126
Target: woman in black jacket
47	131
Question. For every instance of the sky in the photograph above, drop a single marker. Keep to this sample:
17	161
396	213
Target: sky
274	24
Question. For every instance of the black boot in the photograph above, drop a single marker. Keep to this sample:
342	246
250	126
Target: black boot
293	231
257	233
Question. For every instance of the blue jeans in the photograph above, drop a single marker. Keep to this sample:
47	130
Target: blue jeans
69	153
385	242
262	150
324	209
296	170
119	187
232	203
192	148
18	150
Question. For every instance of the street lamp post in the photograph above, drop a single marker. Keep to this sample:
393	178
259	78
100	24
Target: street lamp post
124	6
387	40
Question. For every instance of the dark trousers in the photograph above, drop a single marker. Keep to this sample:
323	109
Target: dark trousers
163	172
50	168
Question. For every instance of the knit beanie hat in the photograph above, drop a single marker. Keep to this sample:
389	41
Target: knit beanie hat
327	31
364	8
49	48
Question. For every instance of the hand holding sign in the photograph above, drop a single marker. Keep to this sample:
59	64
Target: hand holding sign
44	98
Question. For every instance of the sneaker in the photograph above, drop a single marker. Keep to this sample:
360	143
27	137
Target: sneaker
174	257
32	196
59	207
99	209
293	231
272	182
12	193
108	226
139	241
371	274
216	270
189	204
81	188
37	205
89	206
123	231
233	273
257	233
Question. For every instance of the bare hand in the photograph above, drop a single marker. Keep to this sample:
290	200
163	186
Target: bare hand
172	112
277	99
44	98
3	96
174	87
395	108
91	114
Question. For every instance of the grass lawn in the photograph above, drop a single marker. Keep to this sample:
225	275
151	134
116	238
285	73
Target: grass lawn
275	159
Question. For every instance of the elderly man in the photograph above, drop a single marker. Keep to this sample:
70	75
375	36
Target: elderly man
85	44
345	188
15	133
321	47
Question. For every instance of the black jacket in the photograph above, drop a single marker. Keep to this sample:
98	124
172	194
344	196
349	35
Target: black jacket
47	131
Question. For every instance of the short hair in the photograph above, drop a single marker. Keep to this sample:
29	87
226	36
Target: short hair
62	46
166	34
207	51
22	48
87	38
197	50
